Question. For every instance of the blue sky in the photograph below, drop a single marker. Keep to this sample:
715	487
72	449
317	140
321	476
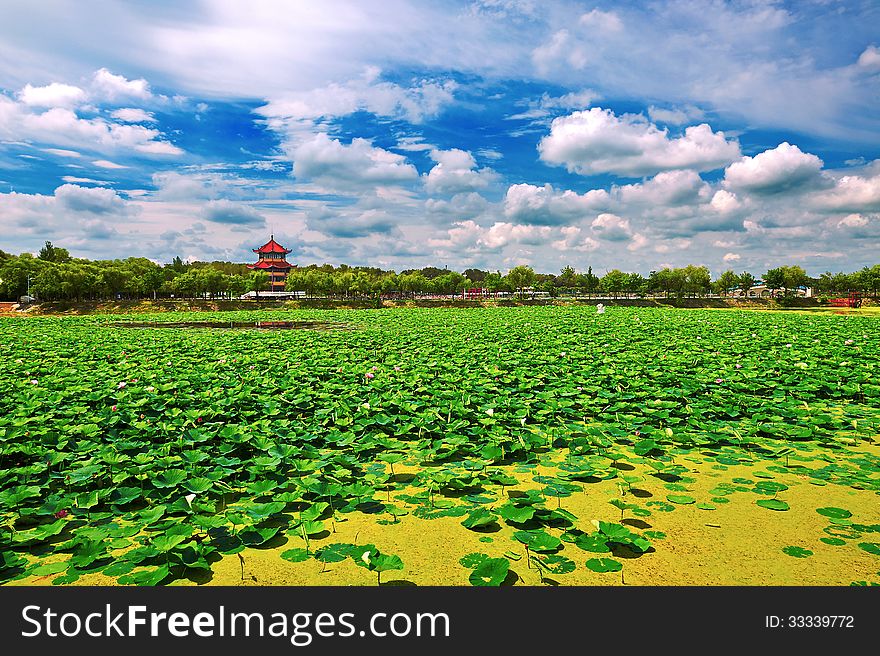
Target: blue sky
402	134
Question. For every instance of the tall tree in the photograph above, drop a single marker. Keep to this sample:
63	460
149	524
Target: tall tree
50	253
521	277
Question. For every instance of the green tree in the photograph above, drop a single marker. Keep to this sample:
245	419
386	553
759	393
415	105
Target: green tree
613	282
259	282
745	281
726	282
521	277
774	279
50	253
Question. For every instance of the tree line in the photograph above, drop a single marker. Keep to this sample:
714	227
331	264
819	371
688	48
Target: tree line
54	275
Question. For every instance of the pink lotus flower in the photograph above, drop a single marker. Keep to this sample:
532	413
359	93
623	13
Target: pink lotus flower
113	408
121	385
719	380
369	375
34	381
738	365
61	514
396	368
199	420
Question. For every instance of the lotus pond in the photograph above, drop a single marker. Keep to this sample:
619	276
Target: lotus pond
536	446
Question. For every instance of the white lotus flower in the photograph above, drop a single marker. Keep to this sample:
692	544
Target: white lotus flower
189	499
490	411
366	557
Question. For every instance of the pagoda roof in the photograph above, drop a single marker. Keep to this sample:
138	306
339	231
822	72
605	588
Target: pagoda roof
271	246
270	264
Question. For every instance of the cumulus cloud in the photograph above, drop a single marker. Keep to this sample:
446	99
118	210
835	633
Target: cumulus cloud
781	169
351	224
358	164
461	205
52	95
853	193
89	199
230	212
731	257
60	126
469	234
597	141
525	203
724	202
611	227
573	239
456	172
112	87
133	115
667	189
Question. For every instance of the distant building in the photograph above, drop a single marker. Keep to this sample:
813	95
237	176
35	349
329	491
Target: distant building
272	260
760	290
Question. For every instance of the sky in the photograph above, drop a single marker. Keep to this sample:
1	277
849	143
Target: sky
737	135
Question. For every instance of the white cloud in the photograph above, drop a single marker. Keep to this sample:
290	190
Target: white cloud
731	257
724	202
573	240
774	171
296	114
74	179
112	87
561	49
667	189
596	141
61	152
107	164
60	126
525	203
870	58
853	221
89	199
230	212
611	227
455	172
675	115
133	115
547	103
341	166
52	95
853	193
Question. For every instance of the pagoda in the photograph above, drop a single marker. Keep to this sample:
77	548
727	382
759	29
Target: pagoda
271	259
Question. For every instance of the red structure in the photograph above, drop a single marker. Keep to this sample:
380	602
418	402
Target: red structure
271	259
854	300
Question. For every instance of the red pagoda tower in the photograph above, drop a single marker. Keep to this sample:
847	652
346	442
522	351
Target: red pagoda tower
271	259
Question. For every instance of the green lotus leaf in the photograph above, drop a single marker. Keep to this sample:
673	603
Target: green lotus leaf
472	560
478	518
491	572
296	555
797	552
516	514
773	504
834	513
603	565
538	540
169	478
